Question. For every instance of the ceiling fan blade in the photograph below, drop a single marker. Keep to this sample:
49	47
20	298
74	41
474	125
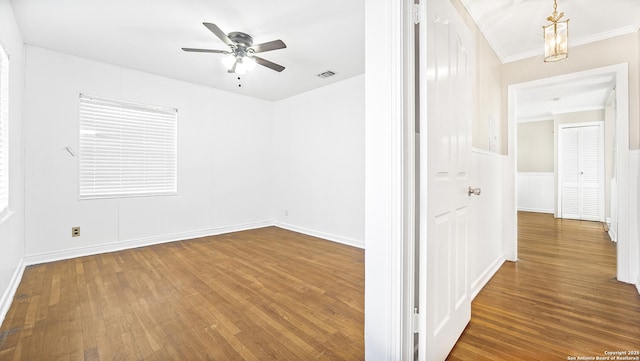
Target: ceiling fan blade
268	64
205	51
271	45
219	33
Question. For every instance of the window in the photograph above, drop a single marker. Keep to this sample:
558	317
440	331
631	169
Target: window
4	132
126	149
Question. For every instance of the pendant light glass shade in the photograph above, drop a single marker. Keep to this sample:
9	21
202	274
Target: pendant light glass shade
238	64
228	61
556	36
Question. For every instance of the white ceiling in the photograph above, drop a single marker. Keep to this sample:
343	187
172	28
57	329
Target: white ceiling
514	27
542	102
320	35
148	35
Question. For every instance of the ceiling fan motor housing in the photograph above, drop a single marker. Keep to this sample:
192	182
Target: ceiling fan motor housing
241	39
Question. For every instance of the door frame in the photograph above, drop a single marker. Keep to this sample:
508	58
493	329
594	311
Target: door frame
389	179
558	136
626	261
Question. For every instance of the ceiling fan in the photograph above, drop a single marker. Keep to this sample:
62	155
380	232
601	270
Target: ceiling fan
241	56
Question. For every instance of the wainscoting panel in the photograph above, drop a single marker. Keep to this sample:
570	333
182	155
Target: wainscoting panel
536	192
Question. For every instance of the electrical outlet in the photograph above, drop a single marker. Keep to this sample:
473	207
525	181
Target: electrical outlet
75	232
286	212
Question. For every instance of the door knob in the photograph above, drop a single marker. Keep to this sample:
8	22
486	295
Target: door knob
475	191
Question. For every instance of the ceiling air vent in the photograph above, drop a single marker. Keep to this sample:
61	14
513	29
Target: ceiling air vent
326	74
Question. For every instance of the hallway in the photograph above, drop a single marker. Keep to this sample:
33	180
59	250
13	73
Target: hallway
559	300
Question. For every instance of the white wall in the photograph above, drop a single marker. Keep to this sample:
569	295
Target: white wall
224	161
535	146
12	228
319	153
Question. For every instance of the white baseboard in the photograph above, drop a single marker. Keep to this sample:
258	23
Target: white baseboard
46	257
140	242
481	281
638	284
535	210
323	235
10	292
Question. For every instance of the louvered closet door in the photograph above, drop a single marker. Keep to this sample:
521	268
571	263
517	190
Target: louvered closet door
582	190
570	173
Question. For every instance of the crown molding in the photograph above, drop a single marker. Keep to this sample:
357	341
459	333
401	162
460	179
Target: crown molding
625	30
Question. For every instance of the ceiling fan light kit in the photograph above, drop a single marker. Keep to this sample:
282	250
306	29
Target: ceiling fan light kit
556	36
240	58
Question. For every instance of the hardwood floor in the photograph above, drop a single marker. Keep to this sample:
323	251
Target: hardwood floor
559	300
266	294
273	294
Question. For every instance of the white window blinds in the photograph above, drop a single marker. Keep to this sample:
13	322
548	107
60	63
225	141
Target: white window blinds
126	149
4	131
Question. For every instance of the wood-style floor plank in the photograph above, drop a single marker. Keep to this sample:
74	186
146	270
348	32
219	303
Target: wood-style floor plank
561	298
265	294
275	294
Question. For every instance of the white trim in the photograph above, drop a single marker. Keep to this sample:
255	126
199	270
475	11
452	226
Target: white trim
326	236
486	276
537	174
535	210
489	153
613	235
5	134
581	124
384	166
53	256
624	245
10	292
629	29
535	119
577	110
634	208
46	257
410	193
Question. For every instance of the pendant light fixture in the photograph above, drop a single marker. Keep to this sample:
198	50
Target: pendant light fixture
556	36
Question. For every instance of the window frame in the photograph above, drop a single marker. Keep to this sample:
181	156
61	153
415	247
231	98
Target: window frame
4	135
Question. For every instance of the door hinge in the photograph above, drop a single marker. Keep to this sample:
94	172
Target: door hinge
418	13
415	321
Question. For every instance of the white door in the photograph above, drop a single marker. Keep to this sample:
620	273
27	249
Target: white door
581	170
446	78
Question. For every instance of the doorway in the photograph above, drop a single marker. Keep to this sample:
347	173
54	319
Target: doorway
620	154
